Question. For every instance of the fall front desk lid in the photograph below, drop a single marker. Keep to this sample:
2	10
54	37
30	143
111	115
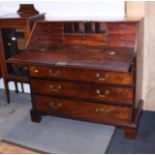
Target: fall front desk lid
114	59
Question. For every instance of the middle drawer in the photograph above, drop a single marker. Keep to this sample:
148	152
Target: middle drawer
87	91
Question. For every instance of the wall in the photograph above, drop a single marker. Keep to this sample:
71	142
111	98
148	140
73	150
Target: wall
135	9
72	10
147	55
132	13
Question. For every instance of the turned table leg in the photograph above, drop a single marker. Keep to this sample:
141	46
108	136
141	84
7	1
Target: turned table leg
7	93
130	132
35	116
16	87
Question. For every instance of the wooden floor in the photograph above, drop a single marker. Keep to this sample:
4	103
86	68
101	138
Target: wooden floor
10	148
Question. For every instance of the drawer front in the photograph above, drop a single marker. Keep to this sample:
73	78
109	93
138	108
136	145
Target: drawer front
82	75
83	90
122	28
82	110
50	28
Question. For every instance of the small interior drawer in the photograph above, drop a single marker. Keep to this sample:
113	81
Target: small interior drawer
121	28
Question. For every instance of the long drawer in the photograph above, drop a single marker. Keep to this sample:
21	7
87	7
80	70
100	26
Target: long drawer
88	75
83	90
82	110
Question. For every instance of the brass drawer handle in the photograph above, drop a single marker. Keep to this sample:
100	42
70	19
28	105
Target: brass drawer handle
100	110
54	73
98	77
112	53
55	106
55	88
102	93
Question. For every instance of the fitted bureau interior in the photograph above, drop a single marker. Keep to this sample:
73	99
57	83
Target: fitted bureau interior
46	35
75	57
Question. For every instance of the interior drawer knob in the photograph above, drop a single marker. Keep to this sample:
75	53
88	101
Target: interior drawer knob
98	77
55	88
54	73
102	93
55	106
9	44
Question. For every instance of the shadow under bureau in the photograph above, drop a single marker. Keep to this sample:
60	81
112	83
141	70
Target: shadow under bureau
84	71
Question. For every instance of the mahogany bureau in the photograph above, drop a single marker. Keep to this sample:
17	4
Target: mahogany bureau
84	71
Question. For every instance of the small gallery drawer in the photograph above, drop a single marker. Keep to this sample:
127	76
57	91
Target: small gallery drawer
49	28
83	90
97	76
121	28
82	110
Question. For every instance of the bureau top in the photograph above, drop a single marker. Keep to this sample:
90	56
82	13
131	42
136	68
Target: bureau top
114	59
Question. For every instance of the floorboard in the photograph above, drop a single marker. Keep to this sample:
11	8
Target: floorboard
11	148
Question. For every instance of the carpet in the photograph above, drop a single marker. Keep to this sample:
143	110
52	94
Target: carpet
53	134
144	142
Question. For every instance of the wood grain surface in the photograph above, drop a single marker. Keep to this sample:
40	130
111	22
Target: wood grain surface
11	148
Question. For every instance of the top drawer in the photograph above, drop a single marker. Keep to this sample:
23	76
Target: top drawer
88	75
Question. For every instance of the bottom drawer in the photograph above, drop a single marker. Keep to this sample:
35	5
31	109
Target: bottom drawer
81	110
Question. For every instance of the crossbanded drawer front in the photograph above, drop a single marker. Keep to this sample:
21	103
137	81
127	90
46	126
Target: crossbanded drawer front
83	91
82	110
97	76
